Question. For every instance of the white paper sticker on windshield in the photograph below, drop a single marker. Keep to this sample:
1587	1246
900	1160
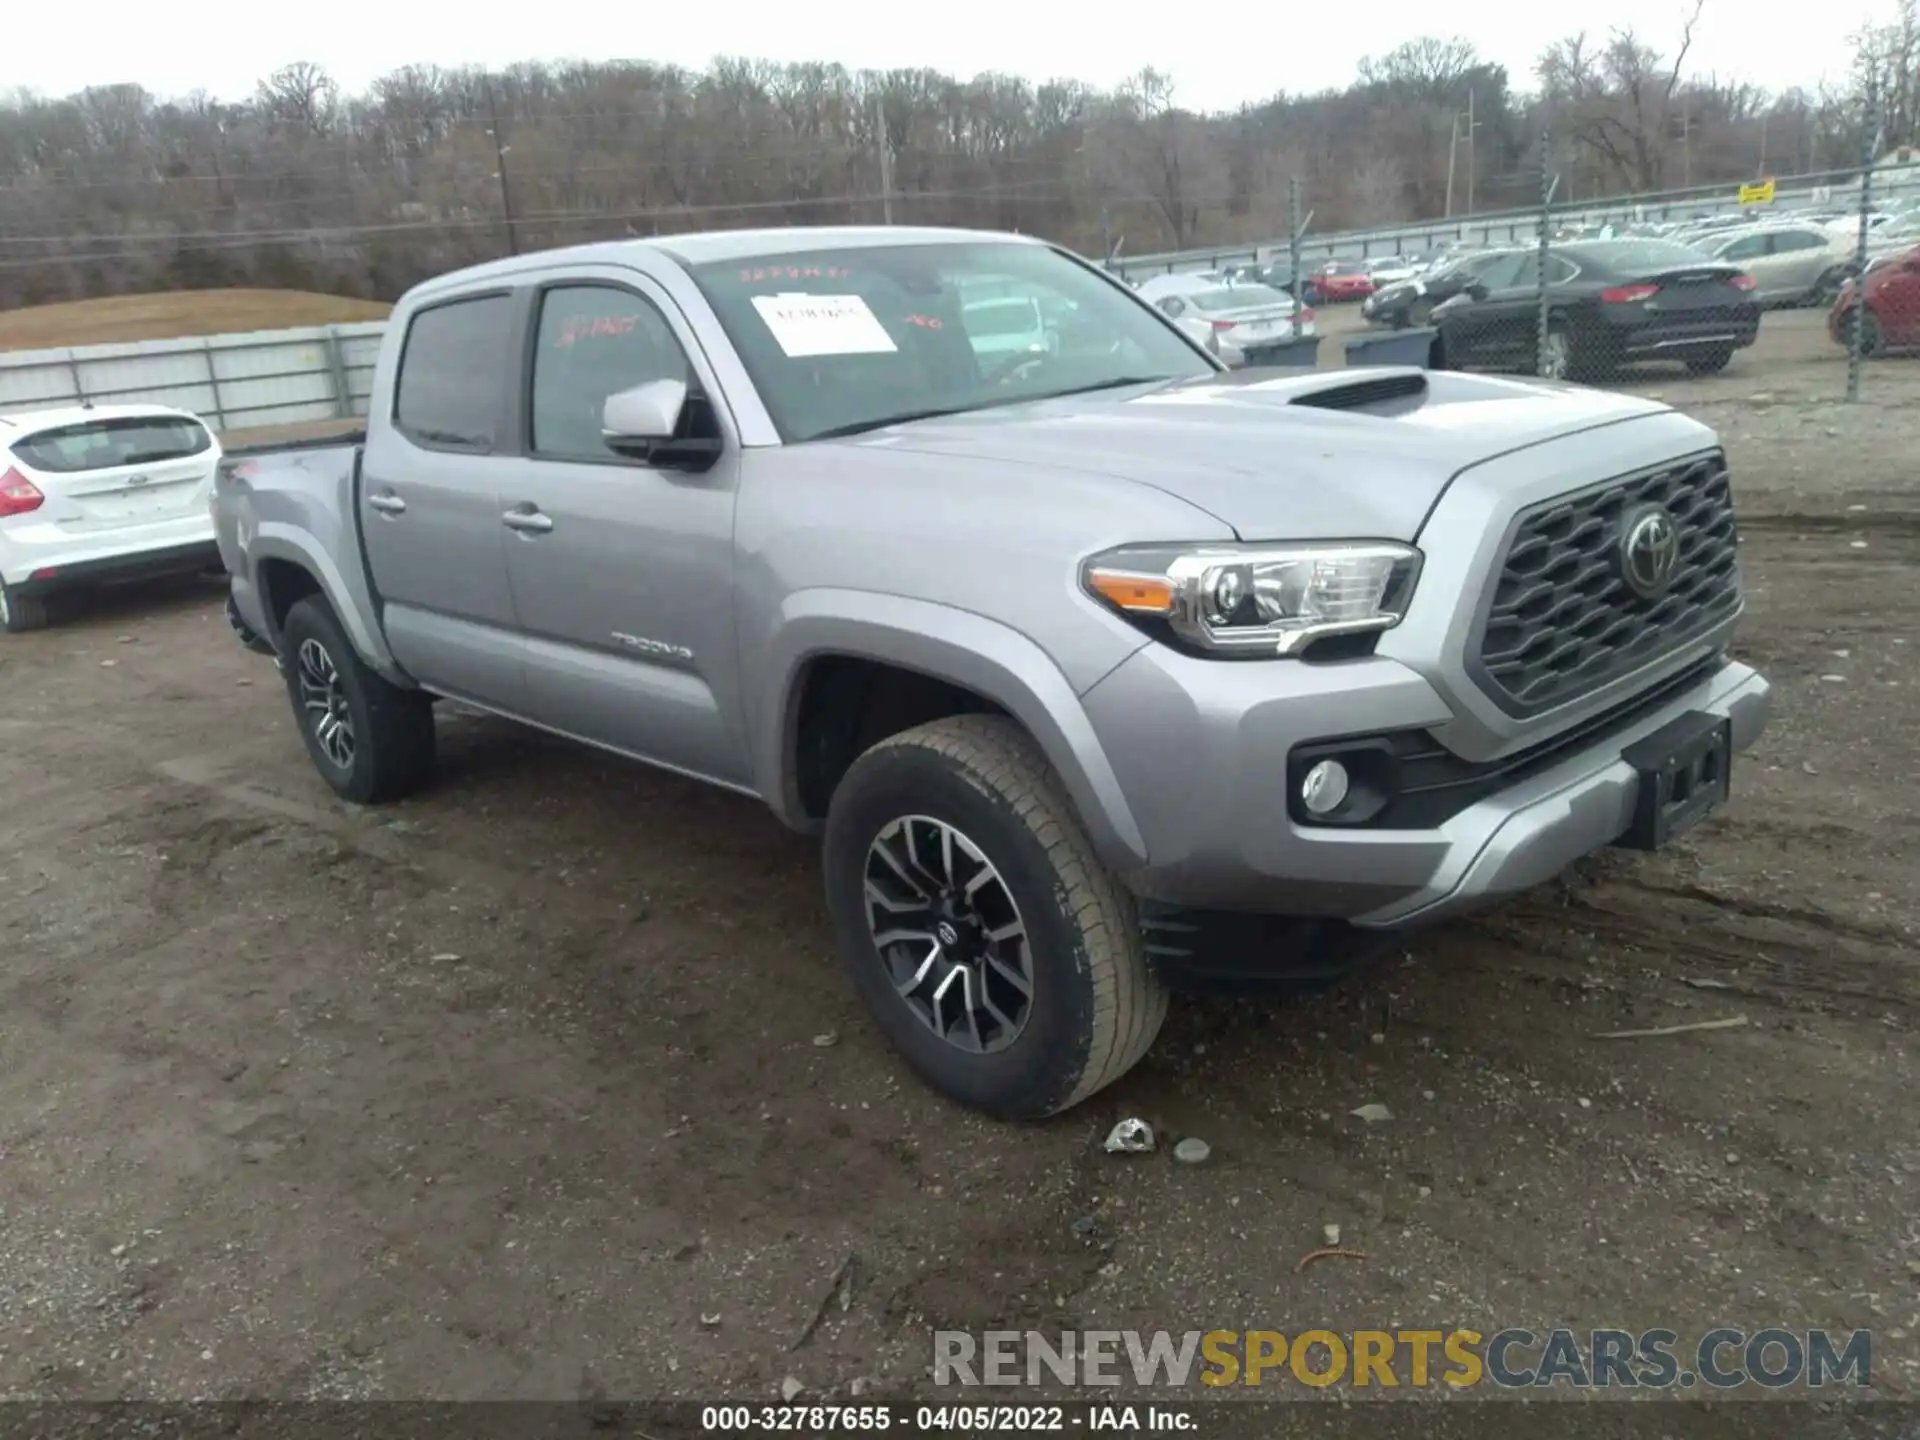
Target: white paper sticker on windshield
808	325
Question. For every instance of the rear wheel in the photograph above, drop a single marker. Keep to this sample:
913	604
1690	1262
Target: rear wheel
1873	340
997	954
1711	363
19	612
369	739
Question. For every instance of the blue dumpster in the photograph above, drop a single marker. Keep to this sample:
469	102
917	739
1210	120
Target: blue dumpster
1392	347
1293	353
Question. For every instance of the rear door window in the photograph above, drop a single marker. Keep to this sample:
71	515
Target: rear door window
111	444
453	373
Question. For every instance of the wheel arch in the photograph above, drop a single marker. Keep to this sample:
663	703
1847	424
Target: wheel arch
974	655
287	566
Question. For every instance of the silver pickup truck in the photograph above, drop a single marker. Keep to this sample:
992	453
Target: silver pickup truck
1097	665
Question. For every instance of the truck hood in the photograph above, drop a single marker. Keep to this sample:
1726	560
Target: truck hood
1322	455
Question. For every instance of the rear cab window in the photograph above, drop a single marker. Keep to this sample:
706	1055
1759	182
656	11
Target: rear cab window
113	443
454	370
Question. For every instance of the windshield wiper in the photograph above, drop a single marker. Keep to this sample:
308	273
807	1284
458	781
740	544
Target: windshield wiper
905	417
1118	383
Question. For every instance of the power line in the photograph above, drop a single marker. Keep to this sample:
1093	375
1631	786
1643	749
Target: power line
144	246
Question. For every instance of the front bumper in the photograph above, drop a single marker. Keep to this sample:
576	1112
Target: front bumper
1201	749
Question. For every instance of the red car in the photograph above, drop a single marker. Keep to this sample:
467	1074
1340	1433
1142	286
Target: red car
1892	305
1343	280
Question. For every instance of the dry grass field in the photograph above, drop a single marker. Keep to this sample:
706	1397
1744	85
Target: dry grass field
116	319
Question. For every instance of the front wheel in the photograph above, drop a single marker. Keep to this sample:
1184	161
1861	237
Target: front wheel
994	949
1827	288
369	739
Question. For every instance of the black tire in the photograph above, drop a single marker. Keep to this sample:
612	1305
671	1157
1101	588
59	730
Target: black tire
391	736
1873	340
20	613
1711	363
1094	1006
1827	288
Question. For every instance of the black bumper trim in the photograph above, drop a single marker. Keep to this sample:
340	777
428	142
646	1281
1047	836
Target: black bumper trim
118	569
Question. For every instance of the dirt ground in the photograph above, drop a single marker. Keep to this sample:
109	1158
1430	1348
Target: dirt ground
547	1085
170	315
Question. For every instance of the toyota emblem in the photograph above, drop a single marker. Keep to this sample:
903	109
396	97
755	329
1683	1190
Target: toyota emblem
1649	551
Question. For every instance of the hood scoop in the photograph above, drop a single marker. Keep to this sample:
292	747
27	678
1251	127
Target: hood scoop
1369	392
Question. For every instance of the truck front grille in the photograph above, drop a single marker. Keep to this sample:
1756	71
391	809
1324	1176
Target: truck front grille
1562	621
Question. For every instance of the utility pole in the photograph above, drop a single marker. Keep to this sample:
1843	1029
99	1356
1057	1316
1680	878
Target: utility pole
886	165
500	149
1686	140
1471	137
1453	151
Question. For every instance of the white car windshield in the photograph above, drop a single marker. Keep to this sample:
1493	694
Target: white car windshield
1240	297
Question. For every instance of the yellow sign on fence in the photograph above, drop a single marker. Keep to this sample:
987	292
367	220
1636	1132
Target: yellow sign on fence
1760	194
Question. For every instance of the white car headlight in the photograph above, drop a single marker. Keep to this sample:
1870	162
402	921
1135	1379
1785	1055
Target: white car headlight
1252	601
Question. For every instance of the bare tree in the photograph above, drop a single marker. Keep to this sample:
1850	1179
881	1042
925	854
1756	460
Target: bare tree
1619	101
303	184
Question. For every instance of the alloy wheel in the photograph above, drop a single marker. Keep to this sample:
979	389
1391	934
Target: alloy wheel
323	701
949	933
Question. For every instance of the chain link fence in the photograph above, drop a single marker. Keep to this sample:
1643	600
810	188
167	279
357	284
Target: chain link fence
1808	302
1816	303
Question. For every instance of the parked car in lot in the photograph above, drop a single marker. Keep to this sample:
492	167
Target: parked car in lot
1276	276
96	495
1391	270
1011	325
1790	264
1243	316
1410	303
1610	303
1344	280
1891	301
1092	668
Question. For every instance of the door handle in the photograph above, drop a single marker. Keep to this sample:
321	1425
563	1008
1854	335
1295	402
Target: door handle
387	504
528	521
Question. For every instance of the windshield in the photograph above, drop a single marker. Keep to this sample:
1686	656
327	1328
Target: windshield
839	340
1645	254
1240	297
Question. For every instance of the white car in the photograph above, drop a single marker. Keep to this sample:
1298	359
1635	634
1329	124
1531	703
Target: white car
1244	316
91	495
1392	270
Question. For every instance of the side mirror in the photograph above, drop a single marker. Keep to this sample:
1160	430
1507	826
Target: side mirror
643	424
1476	291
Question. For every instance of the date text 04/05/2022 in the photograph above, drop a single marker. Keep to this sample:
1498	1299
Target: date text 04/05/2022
947	1419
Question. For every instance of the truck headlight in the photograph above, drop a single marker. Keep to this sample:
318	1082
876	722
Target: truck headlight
1261	599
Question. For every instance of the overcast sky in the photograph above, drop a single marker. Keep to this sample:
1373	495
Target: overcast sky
1219	55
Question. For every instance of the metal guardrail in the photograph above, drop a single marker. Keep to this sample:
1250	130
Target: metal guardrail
1506	227
237	381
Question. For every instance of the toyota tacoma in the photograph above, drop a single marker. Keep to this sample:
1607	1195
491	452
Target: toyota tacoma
1095	664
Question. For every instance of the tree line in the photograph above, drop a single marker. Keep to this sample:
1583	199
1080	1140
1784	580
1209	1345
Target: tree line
115	190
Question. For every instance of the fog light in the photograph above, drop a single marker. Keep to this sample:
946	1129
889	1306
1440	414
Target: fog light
1324	787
